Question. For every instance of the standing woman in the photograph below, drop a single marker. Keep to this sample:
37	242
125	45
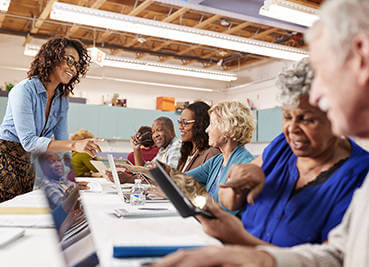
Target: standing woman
195	148
37	110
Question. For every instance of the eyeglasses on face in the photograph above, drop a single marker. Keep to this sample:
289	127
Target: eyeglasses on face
72	62
184	122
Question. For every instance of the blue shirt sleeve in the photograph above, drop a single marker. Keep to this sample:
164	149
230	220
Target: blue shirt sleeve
202	172
20	101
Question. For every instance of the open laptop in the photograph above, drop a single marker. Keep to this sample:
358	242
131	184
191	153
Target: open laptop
175	195
74	235
125	195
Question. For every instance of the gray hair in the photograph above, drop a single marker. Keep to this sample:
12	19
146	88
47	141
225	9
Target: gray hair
340	21
294	83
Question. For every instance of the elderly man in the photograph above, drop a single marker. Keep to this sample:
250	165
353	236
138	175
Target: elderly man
165	139
339	47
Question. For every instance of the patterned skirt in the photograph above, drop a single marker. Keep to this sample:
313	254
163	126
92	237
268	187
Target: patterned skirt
16	172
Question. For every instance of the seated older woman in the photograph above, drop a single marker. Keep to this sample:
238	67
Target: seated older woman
231	127
81	161
310	177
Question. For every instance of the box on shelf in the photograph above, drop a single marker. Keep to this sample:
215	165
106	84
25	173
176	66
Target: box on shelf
165	103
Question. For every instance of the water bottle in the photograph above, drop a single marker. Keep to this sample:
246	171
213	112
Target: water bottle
137	194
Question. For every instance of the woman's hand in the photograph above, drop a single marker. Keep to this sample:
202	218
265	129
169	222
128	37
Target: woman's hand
88	146
134	142
155	192
123	176
83	185
226	227
218	256
248	178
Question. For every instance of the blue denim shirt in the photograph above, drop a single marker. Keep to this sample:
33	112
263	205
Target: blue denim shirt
24	120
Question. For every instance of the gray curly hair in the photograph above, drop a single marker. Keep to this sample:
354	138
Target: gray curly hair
294	83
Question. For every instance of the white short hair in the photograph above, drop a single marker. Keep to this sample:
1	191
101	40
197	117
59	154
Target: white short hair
341	20
235	121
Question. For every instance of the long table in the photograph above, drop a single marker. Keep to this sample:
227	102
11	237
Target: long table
39	245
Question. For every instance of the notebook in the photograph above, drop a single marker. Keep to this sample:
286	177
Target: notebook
74	235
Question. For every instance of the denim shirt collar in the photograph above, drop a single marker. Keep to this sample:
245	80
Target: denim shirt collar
40	88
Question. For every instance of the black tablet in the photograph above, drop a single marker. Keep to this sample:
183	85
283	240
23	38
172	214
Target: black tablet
175	195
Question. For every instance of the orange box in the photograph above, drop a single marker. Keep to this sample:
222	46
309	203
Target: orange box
165	103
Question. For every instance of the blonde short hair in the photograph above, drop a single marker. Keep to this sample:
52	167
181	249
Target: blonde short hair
81	135
235	121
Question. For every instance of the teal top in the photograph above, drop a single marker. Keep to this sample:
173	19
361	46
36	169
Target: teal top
212	172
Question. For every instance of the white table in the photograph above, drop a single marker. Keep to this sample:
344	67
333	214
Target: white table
38	246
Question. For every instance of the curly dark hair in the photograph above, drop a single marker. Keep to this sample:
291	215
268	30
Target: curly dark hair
52	53
200	137
146	133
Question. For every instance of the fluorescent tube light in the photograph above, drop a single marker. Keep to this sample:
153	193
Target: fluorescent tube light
100	58
127	63
4	5
176	86
289	11
120	22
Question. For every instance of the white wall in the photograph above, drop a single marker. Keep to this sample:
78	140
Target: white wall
259	84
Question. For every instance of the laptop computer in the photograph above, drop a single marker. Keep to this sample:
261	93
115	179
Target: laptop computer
74	235
124	196
184	206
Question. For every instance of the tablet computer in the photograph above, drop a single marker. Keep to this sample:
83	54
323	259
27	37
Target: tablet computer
184	206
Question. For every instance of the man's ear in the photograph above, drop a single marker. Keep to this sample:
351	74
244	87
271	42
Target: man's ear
361	54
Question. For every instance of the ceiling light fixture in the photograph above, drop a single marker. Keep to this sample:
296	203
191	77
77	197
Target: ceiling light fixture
290	12
128	63
121	22
224	22
102	59
4	5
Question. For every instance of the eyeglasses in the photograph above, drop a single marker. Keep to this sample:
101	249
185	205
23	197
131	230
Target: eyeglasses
72	62
184	122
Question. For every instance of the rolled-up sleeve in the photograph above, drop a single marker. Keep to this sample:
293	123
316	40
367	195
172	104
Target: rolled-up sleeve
21	105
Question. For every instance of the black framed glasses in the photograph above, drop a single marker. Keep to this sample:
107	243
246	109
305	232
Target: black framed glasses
185	123
72	62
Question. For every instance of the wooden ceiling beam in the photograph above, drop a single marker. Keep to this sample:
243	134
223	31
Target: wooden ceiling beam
133	12
206	22
140	8
40	20
263	33
97	4
238	27
175	15
2	18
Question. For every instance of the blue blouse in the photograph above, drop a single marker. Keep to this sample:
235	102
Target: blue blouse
24	120
285	220
212	172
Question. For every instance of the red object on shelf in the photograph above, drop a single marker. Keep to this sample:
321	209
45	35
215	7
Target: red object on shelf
165	103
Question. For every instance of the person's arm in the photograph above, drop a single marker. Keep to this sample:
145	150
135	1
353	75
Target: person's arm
21	106
218	256
227	227
86	161
244	183
87	146
137	153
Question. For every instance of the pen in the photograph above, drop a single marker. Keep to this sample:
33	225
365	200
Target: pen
152	208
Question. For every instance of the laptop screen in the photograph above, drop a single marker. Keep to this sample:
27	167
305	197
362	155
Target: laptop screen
56	178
